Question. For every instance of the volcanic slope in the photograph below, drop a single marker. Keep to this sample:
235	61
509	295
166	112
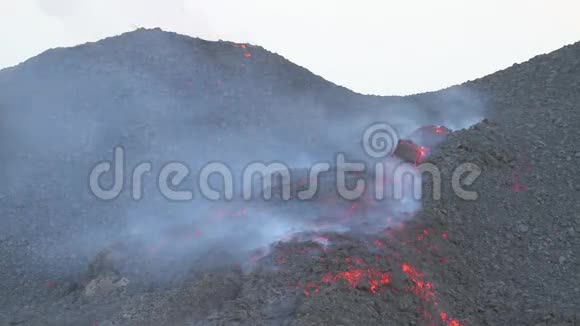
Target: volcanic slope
510	257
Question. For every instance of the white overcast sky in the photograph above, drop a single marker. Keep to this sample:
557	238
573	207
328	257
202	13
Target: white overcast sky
371	46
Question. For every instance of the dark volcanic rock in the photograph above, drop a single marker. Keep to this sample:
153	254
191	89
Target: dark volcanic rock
507	258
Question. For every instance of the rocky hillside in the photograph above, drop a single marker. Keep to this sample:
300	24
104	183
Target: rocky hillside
507	258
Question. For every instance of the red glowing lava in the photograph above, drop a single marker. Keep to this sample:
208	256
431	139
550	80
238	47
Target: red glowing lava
422	235
374	278
421	152
448	321
355	277
426	291
411	152
244	47
441	130
361	277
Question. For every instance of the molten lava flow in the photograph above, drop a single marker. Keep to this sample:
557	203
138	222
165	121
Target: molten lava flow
422	235
448	321
441	130
354	277
371	276
421	152
426	291
244	47
411	152
364	278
